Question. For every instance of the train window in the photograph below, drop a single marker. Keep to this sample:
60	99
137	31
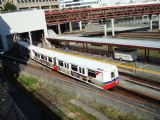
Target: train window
112	75
35	54
80	70
60	63
42	57
50	59
91	73
68	66
83	71
38	55
45	58
74	67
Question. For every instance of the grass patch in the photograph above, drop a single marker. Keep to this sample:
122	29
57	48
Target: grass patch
80	113
51	92
28	82
110	112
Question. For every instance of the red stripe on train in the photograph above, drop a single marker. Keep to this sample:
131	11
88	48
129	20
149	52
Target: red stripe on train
56	68
111	85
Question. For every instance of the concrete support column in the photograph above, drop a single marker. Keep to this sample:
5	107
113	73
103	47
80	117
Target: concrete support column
105	30
50	8
159	22
150	18
70	26
59	29
83	46
146	55
80	25
112	23
45	35
30	37
87	47
90	23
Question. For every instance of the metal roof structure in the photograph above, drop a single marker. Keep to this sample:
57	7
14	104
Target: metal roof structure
135	43
60	17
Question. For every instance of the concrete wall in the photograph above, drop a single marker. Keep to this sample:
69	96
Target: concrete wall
21	21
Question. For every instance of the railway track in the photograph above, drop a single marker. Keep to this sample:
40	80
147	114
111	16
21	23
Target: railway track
152	35
153	84
133	97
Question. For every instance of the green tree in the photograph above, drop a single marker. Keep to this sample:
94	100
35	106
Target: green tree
9	7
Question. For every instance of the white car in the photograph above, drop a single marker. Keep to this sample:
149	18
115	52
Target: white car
1	51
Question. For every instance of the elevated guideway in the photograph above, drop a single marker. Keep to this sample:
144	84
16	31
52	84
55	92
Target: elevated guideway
60	17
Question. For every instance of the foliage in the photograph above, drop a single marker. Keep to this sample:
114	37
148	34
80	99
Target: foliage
80	113
112	113
9	7
28	81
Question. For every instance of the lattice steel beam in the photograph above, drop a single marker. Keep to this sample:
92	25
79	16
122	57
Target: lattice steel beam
60	17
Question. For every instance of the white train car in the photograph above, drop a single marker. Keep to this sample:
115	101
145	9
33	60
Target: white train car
101	75
126	54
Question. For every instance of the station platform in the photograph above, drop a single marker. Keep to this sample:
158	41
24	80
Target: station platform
98	29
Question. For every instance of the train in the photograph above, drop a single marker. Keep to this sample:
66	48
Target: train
126	54
99	74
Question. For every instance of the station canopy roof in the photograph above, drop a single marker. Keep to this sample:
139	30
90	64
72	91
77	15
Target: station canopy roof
136	43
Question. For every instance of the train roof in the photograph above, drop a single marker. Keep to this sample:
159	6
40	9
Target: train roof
86	63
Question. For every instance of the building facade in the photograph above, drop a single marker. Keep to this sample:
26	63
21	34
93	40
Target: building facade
22	25
75	4
72	4
47	5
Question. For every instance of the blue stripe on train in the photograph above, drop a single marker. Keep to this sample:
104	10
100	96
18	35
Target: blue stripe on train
111	81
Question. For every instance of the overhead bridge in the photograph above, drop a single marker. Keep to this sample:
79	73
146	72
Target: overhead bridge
60	17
